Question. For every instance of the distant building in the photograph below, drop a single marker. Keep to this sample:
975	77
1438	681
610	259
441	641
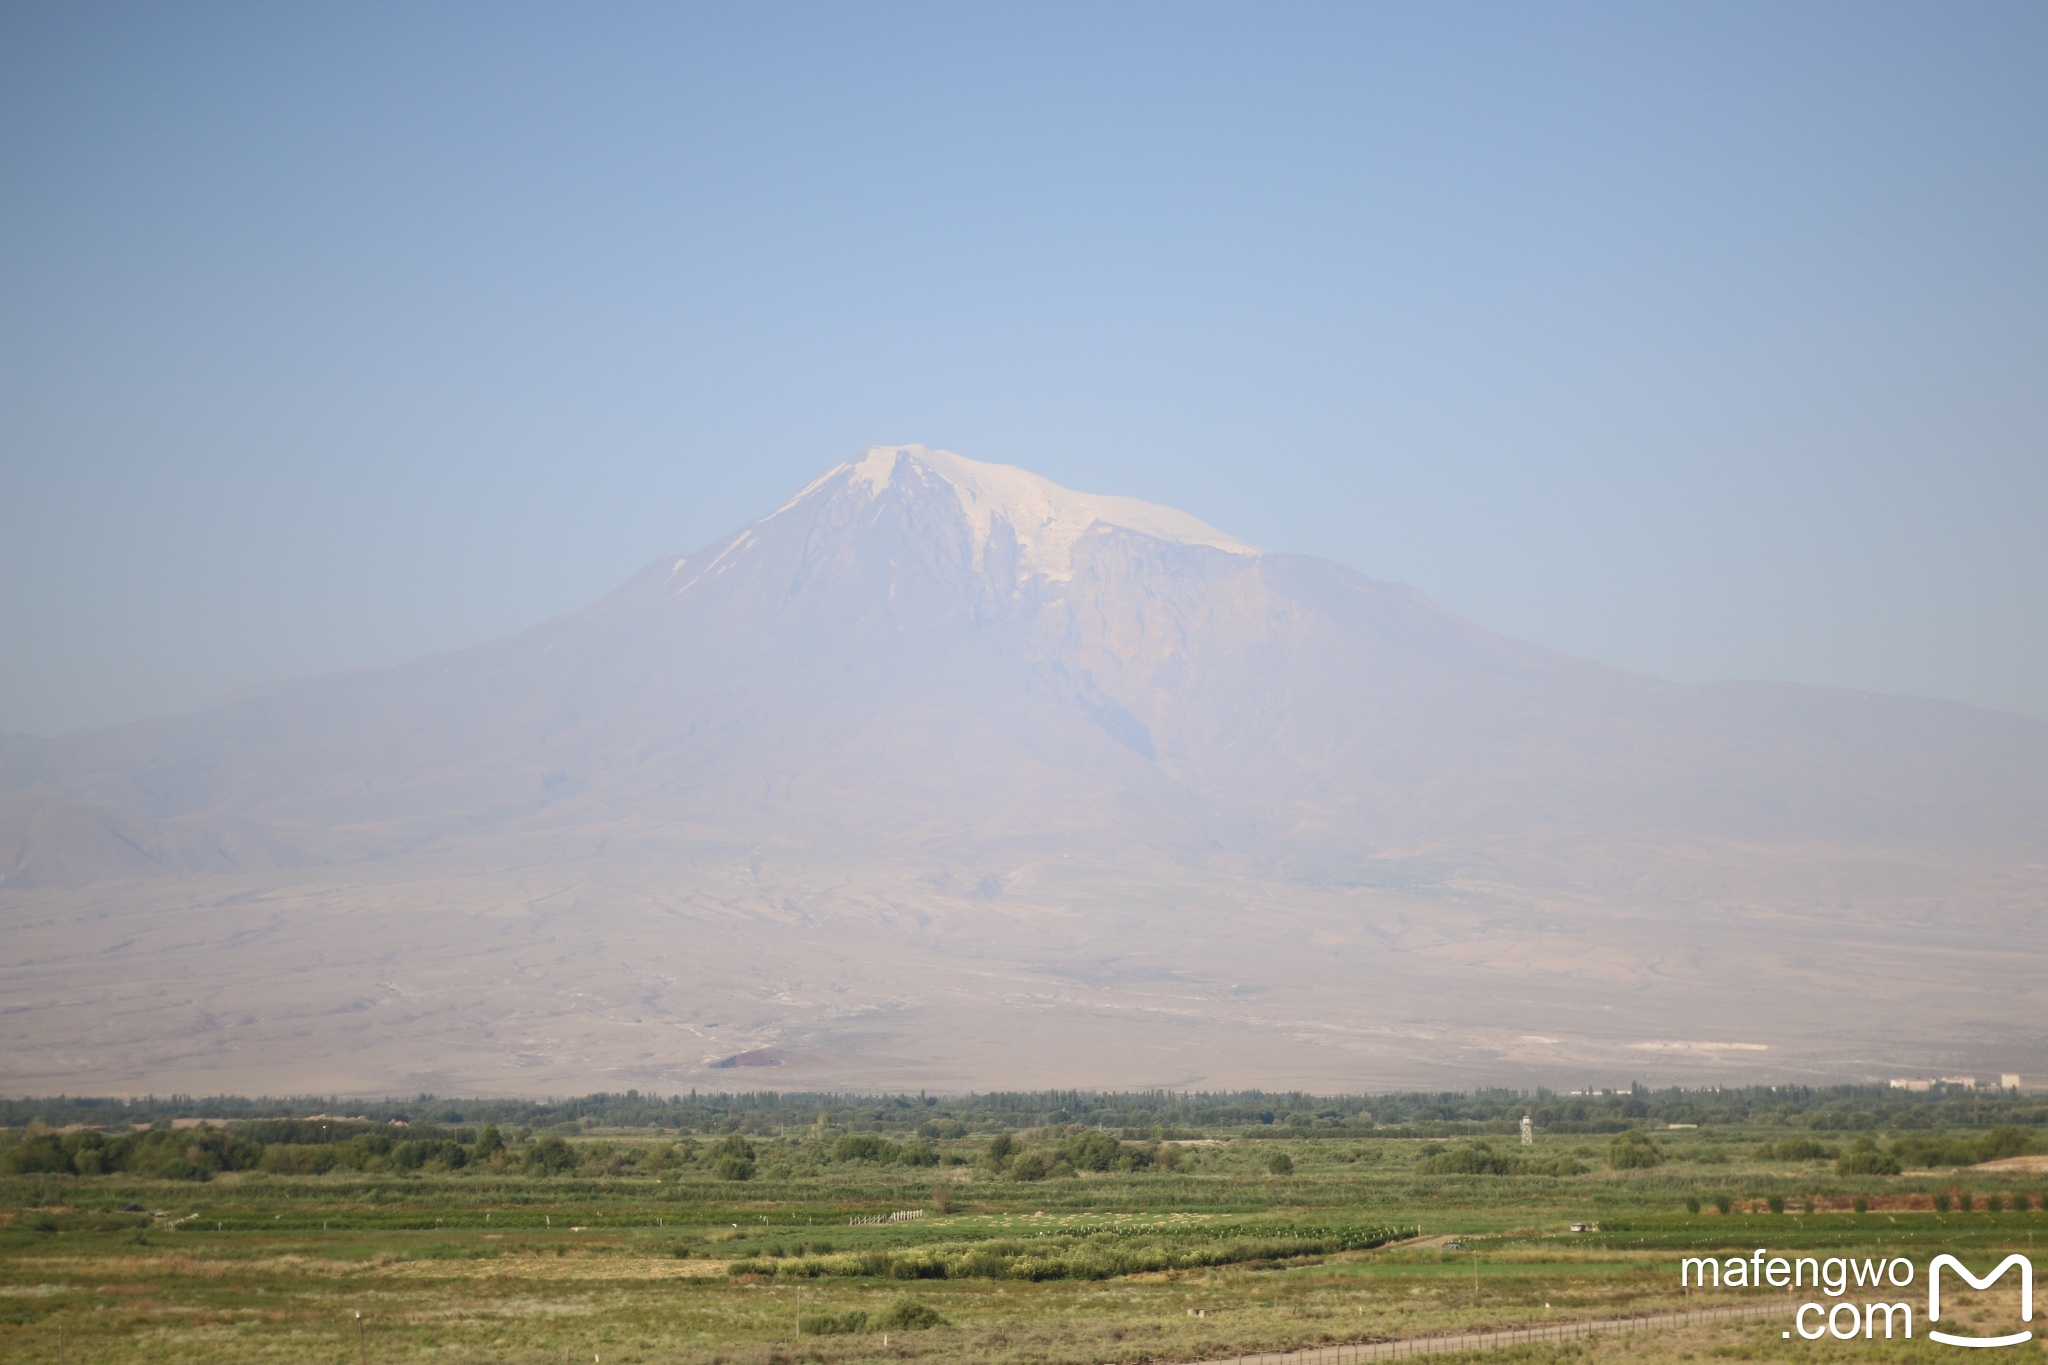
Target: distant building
1914	1083
2009	1081
1963	1082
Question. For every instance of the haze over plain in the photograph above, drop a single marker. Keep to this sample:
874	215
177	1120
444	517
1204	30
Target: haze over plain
1705	345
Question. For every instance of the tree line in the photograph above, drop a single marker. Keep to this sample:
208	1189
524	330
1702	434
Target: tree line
1155	1114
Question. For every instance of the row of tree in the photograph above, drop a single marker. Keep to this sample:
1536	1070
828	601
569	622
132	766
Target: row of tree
1153	1114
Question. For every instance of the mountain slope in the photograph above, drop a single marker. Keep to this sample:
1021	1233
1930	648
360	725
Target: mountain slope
894	650
966	684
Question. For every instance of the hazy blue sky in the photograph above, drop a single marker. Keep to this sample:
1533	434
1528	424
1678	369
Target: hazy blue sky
1707	340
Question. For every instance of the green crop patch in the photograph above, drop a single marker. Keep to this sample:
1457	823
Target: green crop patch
1006	1229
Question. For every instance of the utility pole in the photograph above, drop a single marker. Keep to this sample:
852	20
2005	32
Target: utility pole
362	1347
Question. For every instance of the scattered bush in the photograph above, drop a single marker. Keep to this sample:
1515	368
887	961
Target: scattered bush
831	1324
907	1315
1280	1164
1692	1203
1776	1203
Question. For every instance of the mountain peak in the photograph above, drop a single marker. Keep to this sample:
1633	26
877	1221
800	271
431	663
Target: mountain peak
1045	519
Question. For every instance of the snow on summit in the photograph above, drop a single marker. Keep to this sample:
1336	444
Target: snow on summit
1045	518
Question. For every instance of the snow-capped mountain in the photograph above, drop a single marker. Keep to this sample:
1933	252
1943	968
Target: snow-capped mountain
928	682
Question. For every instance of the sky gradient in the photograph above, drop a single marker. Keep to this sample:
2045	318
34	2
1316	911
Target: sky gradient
1707	341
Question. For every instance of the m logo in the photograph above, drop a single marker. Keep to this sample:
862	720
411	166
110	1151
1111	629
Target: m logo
2026	1298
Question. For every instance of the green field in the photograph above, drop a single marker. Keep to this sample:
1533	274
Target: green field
758	1229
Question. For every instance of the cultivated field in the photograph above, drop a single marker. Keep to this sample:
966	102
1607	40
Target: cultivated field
855	1238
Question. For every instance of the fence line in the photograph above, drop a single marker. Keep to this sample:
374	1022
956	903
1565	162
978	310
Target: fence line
1350	1353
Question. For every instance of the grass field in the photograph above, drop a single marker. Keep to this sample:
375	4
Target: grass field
1218	1255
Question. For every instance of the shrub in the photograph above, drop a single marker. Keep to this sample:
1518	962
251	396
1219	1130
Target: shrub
1993	1203
1723	1204
1941	1203
907	1315
1030	1167
194	1154
1869	1160
732	1144
733	1168
1632	1150
1476	1159
1776	1203
412	1154
43	1155
550	1156
298	1158
2000	1143
832	1324
865	1147
916	1265
1692	1203
1860	1204
1092	1150
1280	1164
942	1198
